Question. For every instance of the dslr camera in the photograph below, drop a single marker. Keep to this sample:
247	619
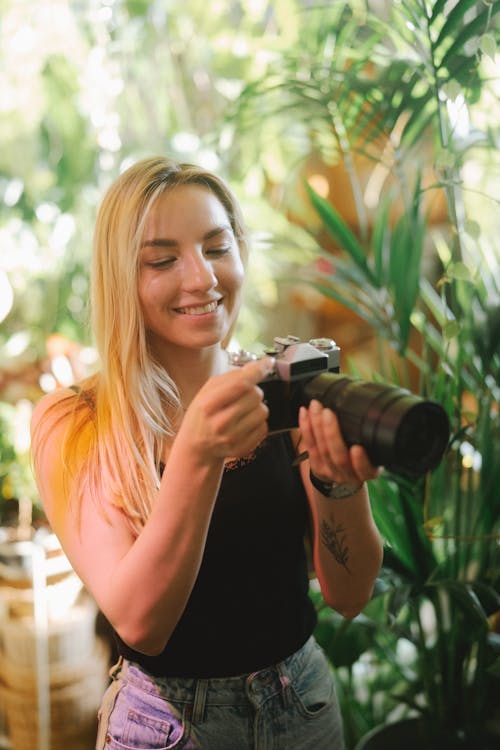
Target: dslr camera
399	430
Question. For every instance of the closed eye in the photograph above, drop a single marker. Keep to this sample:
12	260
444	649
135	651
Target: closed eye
165	263
219	250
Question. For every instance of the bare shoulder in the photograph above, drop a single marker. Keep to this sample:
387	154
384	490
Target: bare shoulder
61	409
54	418
53	406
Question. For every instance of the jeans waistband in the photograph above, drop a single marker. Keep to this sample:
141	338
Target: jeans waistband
219	690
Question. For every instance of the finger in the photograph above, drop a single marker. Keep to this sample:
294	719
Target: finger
362	465
241	412
233	432
306	436
337	450
329	440
254	414
254	372
316	424
334	458
308	442
242	431
249	440
232	387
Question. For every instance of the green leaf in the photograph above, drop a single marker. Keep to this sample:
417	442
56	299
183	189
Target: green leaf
468	601
436	304
488	45
398	598
489	598
444	159
398	518
451	329
459	271
346	641
467	33
440	7
454	19
404	268
338	229
494	669
381	240
452	89
472	228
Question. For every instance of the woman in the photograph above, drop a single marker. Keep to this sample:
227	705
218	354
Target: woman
182	517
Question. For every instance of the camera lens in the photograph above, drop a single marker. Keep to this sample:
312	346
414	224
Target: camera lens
401	431
422	436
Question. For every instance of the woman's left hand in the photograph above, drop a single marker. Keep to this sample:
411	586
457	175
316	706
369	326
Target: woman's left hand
330	459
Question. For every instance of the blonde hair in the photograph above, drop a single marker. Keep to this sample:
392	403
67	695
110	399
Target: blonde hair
134	398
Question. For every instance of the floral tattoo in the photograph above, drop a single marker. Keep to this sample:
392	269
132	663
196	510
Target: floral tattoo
334	538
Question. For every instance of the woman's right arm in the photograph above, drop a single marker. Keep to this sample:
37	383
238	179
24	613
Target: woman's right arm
142	584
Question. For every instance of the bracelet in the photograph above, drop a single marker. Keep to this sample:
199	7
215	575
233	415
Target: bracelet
334	490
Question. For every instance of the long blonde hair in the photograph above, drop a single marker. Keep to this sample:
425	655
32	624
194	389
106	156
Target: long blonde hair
133	397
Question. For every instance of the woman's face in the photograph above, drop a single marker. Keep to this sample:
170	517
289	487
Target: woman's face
190	271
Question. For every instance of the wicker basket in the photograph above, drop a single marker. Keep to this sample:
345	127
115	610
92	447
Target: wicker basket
71	638
74	675
24	679
61	594
75	696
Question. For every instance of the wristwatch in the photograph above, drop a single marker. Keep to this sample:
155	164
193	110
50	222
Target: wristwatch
334	490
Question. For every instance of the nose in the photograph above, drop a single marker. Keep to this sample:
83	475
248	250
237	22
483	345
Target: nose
199	273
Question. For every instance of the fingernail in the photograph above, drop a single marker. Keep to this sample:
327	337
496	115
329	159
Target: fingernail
269	365
327	416
315	406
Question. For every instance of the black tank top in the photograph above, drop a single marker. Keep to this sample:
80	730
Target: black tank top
249	607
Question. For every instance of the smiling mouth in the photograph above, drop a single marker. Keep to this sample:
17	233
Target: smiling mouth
198	309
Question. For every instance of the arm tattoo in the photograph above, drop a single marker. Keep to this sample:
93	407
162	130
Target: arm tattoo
334	539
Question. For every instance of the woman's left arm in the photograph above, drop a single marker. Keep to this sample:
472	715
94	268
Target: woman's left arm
346	544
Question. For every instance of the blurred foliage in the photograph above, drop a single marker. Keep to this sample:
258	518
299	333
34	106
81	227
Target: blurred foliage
86	89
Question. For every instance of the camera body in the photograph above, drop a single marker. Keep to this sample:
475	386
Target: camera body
296	362
399	430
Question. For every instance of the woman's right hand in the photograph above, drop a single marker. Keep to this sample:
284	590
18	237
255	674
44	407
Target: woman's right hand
228	416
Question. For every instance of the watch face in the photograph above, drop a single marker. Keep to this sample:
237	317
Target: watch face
334	490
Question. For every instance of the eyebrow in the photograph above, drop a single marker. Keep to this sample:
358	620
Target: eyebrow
165	242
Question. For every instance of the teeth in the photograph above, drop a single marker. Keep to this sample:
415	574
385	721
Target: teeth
201	310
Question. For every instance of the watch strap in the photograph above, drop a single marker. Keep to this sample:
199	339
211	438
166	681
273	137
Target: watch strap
334	490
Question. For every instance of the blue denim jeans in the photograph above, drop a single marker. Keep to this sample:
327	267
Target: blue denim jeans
290	706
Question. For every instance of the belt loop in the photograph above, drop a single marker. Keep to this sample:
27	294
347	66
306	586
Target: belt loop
116	669
200	697
285	685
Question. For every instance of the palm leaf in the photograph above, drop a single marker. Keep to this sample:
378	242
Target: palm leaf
338	229
381	241
404	265
468	32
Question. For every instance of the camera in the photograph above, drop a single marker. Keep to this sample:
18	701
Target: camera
399	430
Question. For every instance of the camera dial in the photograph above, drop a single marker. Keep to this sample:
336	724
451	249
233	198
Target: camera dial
241	357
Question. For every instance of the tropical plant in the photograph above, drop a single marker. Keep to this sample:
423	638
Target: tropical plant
402	90
442	562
